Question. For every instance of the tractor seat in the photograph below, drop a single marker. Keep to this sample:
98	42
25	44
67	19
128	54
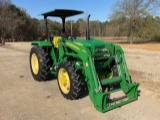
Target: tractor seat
55	41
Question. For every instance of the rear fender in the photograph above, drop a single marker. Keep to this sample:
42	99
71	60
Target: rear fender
42	43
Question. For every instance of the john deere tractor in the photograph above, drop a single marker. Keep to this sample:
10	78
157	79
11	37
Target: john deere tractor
98	64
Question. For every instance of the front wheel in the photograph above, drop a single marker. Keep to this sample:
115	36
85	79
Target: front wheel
68	81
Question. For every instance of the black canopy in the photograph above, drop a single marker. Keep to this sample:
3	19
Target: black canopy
63	13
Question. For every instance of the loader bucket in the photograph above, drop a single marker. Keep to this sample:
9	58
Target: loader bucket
104	104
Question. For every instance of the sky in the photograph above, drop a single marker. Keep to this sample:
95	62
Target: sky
98	9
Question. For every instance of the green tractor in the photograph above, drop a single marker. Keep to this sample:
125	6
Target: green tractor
99	65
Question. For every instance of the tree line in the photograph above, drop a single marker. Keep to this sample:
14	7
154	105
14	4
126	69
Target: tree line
131	18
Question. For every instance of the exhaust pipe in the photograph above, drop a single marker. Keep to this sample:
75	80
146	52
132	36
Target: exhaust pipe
87	31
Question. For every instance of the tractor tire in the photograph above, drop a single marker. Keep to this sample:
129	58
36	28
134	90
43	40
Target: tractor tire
40	64
68	81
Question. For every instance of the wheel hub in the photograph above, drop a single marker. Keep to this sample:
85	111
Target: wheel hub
64	81
34	63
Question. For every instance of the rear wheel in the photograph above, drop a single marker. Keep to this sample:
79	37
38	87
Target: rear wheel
40	64
68	81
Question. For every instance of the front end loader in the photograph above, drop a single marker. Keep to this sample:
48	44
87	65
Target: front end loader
100	65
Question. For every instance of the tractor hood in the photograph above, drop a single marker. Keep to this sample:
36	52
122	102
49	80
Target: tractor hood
90	43
85	43
93	45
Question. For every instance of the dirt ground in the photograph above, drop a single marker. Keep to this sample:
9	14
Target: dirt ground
22	98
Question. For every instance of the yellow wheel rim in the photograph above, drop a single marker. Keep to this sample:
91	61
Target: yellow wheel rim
64	81
34	63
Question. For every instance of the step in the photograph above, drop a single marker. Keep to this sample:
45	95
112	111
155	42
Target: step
111	80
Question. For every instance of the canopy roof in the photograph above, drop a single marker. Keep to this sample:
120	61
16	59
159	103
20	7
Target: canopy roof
63	13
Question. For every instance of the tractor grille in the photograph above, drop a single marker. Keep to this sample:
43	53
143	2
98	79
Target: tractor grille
101	53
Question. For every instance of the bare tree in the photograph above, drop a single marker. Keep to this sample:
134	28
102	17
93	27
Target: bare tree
81	24
133	11
3	6
4	3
